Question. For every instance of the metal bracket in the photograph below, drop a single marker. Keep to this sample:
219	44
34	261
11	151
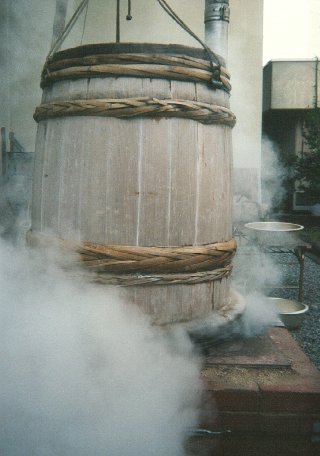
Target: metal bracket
217	11
206	432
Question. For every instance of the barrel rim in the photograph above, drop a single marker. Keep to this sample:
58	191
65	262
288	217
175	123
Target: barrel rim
131	47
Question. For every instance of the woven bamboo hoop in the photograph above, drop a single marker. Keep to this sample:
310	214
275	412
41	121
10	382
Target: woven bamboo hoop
123	259
125	58
154	66
135	107
136	70
126	280
144	60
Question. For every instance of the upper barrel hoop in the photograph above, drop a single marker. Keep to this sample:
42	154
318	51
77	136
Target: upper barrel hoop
154	61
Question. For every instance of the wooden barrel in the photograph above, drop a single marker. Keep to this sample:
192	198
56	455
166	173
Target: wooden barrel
133	169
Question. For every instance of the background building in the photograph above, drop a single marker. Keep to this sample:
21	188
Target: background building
290	89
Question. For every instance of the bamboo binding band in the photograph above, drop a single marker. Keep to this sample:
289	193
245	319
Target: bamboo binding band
136	265
180	68
126	280
137	107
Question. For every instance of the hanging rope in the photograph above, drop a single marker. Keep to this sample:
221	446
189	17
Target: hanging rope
215	82
215	62
84	22
68	28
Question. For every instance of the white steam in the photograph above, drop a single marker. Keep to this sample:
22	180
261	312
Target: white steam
273	175
259	315
255	274
83	373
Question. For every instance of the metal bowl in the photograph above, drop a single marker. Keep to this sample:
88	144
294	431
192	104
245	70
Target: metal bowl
274	233
291	313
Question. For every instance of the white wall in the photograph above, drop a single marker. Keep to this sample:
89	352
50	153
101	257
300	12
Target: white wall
245	65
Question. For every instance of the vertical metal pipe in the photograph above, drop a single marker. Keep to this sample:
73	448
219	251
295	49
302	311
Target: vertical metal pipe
118	22
216	19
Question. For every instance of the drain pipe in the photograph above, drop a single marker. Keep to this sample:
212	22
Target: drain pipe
216	19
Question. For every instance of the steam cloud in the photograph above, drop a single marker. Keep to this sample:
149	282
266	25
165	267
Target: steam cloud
83	373
254	274
273	175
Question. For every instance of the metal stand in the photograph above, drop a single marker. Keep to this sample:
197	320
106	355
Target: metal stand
298	250
296	247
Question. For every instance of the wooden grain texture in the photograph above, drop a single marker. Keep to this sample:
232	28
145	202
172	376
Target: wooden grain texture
51	176
137	182
38	175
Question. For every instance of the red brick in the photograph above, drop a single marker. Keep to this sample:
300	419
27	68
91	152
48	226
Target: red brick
252	445
274	419
261	446
302	396
237	400
287	423
267	423
238	422
289	347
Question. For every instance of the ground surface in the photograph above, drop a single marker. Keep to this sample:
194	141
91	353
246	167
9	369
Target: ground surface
308	336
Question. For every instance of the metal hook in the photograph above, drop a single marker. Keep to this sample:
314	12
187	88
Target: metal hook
129	17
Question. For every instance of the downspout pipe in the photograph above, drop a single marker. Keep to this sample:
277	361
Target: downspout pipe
216	19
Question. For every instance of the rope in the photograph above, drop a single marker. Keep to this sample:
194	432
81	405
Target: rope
67	28
84	22
183	25
215	81
138	265
136	107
